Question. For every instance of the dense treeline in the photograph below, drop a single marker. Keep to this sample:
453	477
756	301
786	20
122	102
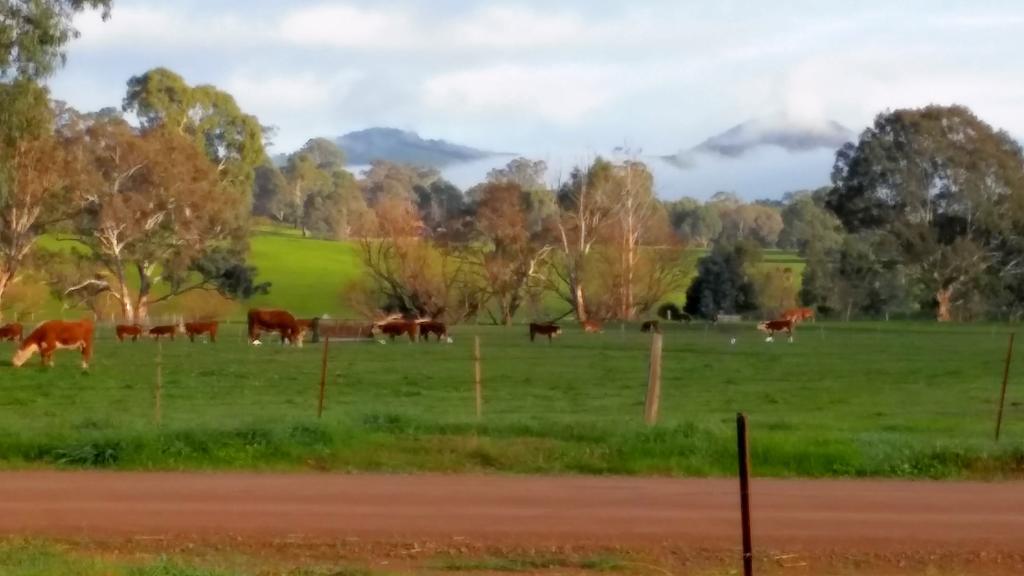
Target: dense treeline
156	199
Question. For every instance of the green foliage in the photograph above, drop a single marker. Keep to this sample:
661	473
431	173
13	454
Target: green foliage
33	35
226	271
948	189
723	283
231	139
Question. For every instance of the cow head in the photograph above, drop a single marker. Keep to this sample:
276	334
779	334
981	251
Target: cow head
763	327
23	354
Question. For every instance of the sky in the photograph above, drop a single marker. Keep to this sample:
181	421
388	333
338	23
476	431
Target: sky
572	78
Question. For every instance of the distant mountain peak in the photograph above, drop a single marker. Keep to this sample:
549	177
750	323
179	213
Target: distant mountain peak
405	147
785	133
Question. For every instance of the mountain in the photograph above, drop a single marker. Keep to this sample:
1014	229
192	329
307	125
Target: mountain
365	146
785	134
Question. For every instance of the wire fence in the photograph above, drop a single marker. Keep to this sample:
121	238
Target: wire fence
859	380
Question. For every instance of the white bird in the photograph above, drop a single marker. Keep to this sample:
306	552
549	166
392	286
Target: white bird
733	341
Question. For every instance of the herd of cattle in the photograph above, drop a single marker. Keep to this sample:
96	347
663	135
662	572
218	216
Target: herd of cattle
54	335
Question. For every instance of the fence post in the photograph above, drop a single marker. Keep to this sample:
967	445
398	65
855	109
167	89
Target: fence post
1002	395
743	448
323	379
653	382
476	379
158	391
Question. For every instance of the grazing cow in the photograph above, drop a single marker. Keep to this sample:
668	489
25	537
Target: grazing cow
439	329
194	329
279	321
132	331
157	332
591	327
651	326
798	315
11	332
54	335
772	326
549	330
394	328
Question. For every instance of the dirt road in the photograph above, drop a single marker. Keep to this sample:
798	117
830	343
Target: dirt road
833	515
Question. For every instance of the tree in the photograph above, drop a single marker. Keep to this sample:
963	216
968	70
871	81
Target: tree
694	222
35	182
304	177
585	203
33	170
808	225
723	282
211	118
387	180
438	203
151	204
33	35
949	190
525	173
337	212
270	194
862	274
759	223
503	249
638	241
408	274
326	155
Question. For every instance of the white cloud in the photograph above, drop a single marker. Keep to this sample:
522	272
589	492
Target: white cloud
345	26
563	94
513	26
144	28
264	93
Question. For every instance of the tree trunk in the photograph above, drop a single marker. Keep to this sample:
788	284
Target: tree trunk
5	280
142	305
127	310
579	302
944	298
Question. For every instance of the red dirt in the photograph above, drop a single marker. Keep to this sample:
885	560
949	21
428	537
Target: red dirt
965	519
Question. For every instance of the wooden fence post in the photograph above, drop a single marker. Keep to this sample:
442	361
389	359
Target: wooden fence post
1002	395
476	379
653	382
158	390
743	448
323	379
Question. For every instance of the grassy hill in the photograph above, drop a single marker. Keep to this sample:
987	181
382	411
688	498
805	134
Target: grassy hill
308	276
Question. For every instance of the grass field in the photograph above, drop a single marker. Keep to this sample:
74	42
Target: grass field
895	400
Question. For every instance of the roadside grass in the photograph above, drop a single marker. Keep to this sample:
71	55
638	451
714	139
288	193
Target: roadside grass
908	400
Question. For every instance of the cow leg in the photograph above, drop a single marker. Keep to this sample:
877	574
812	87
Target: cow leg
191	337
86	354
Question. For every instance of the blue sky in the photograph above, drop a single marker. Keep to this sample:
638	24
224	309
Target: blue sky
561	76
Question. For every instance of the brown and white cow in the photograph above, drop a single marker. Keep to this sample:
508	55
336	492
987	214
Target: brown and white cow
11	332
393	328
132	331
591	327
280	321
772	326
549	330
54	335
194	329
437	328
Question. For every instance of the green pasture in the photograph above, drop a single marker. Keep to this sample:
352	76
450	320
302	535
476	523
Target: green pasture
862	399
